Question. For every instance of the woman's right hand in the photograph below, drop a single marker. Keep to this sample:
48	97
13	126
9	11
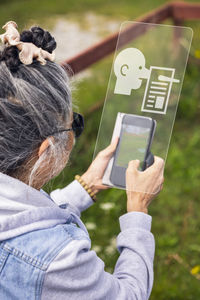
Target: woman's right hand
143	186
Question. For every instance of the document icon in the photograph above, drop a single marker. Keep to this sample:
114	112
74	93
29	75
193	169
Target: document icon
158	89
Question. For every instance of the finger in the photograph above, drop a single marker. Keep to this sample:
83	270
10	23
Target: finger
113	144
115	140
158	164
111	148
133	165
159	161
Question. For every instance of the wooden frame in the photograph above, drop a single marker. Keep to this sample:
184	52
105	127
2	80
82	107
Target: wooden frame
178	11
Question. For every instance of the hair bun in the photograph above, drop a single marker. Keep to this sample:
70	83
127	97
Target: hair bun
11	57
40	37
36	35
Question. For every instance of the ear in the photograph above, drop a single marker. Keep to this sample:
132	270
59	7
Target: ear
123	69
44	146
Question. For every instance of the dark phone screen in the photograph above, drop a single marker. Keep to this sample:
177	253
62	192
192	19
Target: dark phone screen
133	144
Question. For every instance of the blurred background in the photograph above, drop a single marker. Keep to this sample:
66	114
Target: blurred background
77	25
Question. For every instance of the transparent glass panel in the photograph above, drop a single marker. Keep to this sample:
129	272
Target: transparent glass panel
142	96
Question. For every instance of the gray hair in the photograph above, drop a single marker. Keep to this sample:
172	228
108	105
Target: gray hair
35	101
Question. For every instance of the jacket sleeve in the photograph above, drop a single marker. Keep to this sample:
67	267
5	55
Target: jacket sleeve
78	273
73	194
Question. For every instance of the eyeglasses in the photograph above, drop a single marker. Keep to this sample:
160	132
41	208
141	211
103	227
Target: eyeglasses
77	125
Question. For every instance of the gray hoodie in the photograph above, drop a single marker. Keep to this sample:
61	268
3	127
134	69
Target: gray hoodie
69	276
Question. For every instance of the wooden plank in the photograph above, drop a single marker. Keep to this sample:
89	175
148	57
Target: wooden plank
108	45
185	11
179	11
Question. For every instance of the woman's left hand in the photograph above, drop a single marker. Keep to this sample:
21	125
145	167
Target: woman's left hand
93	176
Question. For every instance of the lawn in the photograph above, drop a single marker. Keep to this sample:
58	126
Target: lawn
175	212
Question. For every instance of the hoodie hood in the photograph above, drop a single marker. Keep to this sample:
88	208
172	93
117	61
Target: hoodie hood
23	208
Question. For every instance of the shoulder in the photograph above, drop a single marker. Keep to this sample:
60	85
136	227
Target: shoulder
44	244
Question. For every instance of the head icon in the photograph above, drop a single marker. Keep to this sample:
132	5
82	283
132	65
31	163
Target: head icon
129	68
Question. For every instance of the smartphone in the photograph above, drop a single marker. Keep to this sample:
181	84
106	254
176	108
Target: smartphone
135	140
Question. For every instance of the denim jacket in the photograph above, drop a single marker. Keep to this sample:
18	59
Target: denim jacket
45	249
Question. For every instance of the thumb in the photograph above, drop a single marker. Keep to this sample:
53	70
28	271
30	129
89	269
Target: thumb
111	148
114	143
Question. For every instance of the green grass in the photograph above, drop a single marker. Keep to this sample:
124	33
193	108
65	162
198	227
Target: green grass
175	212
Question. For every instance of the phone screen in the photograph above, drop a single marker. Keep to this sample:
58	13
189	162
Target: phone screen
132	145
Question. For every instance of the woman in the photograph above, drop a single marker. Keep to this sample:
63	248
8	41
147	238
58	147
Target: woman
43	253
